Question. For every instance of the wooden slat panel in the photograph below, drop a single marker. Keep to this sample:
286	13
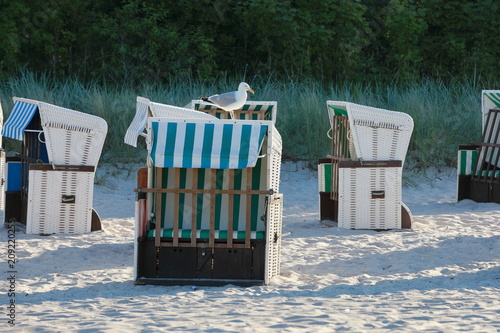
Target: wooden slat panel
194	204
158	210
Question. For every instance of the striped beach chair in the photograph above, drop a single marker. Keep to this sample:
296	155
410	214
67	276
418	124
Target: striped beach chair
61	149
364	171
478	168
208	209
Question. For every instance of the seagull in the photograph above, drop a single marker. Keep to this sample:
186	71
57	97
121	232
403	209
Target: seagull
230	101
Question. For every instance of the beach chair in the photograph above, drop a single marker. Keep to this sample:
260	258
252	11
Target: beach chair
53	188
208	207
478	168
360	182
252	110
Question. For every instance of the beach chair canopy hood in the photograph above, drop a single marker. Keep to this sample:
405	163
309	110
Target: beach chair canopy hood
71	137
201	144
145	108
23	112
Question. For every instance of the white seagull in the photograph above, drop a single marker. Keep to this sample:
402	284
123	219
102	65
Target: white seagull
230	101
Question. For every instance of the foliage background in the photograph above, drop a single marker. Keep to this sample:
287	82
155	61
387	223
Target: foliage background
153	40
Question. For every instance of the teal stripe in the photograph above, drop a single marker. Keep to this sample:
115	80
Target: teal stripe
256	174
246	133
227	135
170	144
187	158
154	127
206	154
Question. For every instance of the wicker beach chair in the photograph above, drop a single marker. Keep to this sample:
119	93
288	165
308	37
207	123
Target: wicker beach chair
209	208
360	182
478	166
61	149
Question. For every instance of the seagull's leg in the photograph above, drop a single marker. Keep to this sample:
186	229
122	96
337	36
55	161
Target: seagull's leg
232	114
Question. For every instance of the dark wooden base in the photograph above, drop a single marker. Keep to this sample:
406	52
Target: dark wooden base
200	265
479	191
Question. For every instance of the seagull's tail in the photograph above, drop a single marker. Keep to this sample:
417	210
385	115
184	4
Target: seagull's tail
204	99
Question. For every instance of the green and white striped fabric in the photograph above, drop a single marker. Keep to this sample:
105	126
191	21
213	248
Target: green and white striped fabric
490	100
268	107
493	96
205	144
325	177
186	211
466	161
489	174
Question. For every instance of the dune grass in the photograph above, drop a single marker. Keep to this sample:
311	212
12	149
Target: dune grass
444	115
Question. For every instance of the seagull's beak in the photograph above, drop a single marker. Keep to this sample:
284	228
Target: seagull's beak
251	91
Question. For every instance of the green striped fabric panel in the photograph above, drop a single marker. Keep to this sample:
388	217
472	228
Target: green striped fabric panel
338	110
259	182
247	107
493	97
206	145
466	161
325	177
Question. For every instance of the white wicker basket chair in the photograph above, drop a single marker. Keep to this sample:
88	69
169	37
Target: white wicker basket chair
369	184
59	193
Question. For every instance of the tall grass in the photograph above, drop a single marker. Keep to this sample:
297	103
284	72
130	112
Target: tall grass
444	115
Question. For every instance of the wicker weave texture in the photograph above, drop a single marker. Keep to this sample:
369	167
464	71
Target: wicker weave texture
72	137
50	206
361	205
138	124
377	134
273	237
170	111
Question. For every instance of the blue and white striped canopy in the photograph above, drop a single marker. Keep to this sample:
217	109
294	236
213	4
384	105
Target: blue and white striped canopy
19	119
202	144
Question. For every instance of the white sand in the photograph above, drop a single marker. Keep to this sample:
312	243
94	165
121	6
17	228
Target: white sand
441	276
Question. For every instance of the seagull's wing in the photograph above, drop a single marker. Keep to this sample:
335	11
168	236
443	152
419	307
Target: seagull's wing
223	100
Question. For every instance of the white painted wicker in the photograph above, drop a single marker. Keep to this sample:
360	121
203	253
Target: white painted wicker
170	111
60	201
358	209
273	237
72	137
139	122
